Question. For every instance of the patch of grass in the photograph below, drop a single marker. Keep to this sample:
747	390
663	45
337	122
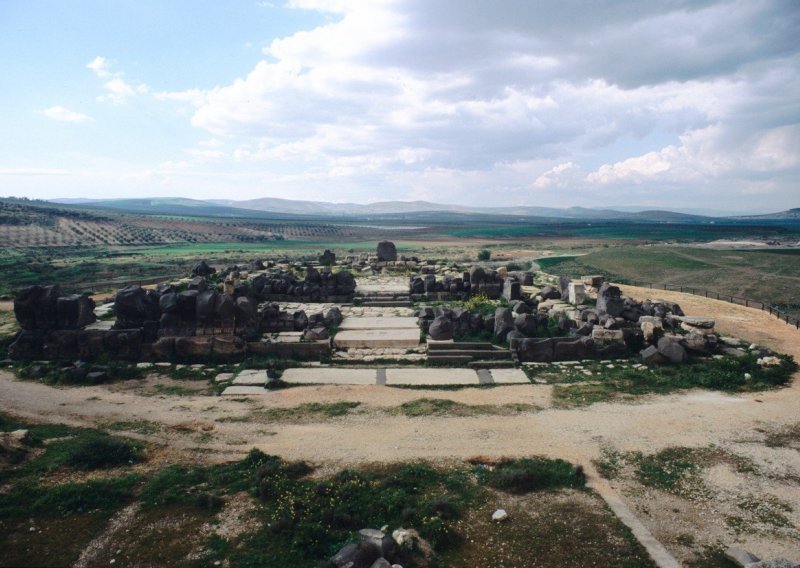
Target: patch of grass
532	474
138	426
308	520
678	469
610	462
446	407
306	412
97	495
726	374
786	437
765	510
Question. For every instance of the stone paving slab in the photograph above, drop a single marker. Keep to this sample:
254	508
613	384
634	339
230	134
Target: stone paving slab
388	322
329	375
244	391
377	338
426	376
223	377
510	376
251	377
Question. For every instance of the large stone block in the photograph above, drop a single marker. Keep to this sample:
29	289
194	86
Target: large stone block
511	289
386	251
535	350
75	311
193	347
603	335
576	293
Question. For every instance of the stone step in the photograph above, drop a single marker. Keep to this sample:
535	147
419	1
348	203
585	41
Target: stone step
387	304
377	338
460	345
474	353
463	360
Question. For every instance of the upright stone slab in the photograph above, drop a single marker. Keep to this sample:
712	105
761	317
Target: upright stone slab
577	293
511	290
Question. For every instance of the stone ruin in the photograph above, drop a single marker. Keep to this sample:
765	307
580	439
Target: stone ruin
554	324
229	313
204	320
491	283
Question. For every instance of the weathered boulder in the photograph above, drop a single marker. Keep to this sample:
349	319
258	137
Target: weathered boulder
550	293
576	293
123	343
476	275
333	317
226	346
441	329
672	350
699	343
593	281
193	347
562	284
572	348
386	251
316	333
75	311
134	306
345	283
417	285
525	324
163	349
603	335
651	356
535	350
28	344
609	300
202	268
36	307
503	323
327	258
511	289
425	313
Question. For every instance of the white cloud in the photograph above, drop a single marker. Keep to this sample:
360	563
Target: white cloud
423	98
61	114
100	65
117	89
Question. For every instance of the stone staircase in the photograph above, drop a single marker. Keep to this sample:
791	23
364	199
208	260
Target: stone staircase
386	300
475	355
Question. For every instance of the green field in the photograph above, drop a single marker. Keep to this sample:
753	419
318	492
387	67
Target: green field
770	276
630	231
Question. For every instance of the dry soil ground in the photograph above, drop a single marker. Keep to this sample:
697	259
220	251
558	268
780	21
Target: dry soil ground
224	428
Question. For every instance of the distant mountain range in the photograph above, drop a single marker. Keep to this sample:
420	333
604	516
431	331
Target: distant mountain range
420	210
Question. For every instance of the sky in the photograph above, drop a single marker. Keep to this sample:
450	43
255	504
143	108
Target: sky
673	104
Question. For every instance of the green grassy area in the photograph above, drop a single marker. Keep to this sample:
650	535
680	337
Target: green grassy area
769	276
604	230
52	506
594	382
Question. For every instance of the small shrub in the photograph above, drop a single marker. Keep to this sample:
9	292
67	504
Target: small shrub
533	474
485	255
98	452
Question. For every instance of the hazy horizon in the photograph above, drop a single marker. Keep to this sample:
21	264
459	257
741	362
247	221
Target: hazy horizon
681	106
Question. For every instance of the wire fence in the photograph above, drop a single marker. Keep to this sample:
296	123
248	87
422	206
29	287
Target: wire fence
747	302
